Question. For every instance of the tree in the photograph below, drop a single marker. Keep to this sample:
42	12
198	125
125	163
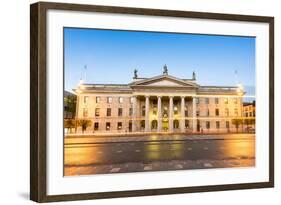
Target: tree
84	124
248	122
69	123
237	122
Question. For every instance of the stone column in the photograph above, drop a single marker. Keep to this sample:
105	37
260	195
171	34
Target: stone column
134	114
194	120
159	112
147	124
182	121
171	114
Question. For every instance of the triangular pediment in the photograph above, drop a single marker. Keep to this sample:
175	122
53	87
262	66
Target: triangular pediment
165	81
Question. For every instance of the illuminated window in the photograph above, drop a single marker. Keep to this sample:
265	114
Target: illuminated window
107	126
120	100
86	98
97	99
97	112
154	110
119	125
109	99
175	110
225	100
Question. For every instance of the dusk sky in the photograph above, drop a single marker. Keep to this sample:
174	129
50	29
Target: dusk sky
112	55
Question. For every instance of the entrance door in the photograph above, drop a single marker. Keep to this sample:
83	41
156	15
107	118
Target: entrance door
130	126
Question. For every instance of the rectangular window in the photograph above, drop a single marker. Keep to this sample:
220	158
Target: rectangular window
154	110
97	112
109	99
227	124
217	124
85	112
226	112
208	112
107	126
175	110
235	100
143	111
131	100
217	112
97	99
197	113
197	100
236	112
120	111
225	100
86	98
108	112
208	124
130	111
207	100
119	126
186	123
96	126
120	100
216	101
186	112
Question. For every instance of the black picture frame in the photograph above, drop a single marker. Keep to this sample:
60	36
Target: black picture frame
38	103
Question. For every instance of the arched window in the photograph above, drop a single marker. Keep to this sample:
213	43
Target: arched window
142	124
154	124
176	124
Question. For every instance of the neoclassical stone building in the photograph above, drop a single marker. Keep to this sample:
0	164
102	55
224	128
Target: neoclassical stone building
162	103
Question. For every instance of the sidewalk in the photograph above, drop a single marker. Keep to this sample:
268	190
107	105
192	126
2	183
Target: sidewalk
154	138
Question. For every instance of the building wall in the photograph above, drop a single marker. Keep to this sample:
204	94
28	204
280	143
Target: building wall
202	106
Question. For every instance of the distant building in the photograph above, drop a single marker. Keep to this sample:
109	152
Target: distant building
162	103
249	109
69	105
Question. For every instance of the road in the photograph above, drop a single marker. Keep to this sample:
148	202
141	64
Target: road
115	157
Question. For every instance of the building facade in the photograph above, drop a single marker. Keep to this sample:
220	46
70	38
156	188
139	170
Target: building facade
159	104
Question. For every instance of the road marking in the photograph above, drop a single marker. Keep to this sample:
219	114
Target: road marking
206	148
99	152
208	165
189	148
119	151
148	167
137	150
116	169
221	147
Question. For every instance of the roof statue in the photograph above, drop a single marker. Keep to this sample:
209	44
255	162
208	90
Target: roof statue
193	76
165	70
135	73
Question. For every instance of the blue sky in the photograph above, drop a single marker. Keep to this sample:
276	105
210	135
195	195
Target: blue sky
112	55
